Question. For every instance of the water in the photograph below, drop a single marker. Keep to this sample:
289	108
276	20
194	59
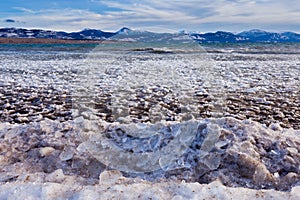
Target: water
254	48
46	48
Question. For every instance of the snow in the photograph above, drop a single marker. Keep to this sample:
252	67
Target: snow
125	189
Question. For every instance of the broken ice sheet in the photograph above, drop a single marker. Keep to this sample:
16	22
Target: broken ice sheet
114	156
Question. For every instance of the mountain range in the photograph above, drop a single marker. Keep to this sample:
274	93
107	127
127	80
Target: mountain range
94	34
254	35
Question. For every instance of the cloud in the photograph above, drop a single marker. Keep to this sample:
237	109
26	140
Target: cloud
162	15
9	21
26	10
194	13
60	19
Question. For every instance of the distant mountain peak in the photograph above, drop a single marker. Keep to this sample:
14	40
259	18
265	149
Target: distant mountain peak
253	32
124	30
256	31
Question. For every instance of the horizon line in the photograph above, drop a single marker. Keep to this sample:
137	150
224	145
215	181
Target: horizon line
134	29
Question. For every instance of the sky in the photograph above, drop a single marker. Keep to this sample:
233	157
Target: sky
152	15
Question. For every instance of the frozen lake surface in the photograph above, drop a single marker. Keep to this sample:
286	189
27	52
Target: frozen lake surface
71	113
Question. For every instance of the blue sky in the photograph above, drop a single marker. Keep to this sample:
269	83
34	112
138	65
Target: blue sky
153	15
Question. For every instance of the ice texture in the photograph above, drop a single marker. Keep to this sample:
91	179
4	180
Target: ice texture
237	153
58	140
126	189
243	84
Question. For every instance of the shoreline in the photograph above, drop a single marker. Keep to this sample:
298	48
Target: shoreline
48	41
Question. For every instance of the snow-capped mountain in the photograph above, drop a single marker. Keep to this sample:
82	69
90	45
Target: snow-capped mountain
218	37
91	34
86	34
34	33
124	30
125	33
254	35
263	36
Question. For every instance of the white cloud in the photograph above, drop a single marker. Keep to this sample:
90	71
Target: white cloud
193	13
64	19
26	10
163	15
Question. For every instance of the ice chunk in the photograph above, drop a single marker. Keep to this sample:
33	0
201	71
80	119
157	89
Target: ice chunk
110	178
57	176
67	153
46	151
212	137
